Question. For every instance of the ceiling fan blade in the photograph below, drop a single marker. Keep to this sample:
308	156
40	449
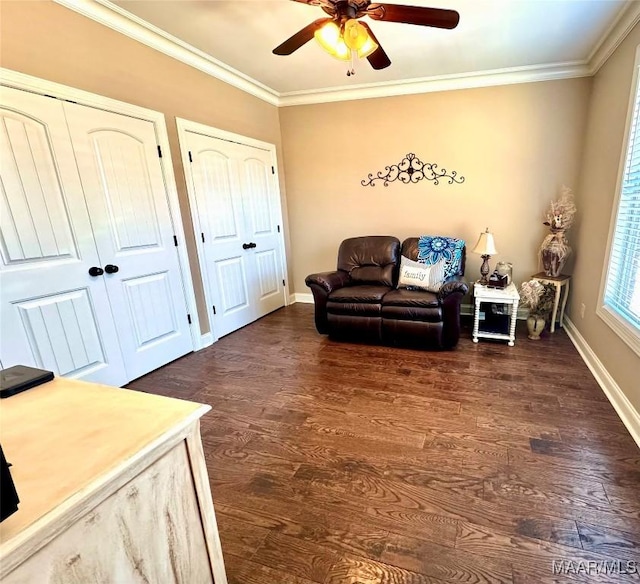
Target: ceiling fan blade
378	59
437	17
300	38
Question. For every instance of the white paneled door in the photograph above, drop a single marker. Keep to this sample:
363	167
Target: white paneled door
237	207
261	202
219	209
53	314
90	280
120	170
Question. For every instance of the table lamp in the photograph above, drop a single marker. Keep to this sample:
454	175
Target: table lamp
485	248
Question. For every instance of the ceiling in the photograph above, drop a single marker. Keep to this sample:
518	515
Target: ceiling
492	35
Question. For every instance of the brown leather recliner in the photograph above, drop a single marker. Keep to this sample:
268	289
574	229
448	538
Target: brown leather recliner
360	301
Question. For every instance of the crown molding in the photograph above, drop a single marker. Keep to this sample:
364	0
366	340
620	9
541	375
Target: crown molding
613	36
118	19
490	78
124	22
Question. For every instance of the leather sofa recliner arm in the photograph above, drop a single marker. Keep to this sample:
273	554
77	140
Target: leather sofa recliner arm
329	281
452	285
321	286
450	296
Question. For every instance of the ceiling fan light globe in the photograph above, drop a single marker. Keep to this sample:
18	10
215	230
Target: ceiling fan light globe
342	52
355	35
328	37
369	47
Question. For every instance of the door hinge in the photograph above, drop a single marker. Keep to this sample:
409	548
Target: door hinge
159	151
175	241
283	283
202	234
190	157
214	309
278	228
273	170
189	318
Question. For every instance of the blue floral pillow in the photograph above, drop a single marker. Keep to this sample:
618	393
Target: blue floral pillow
432	249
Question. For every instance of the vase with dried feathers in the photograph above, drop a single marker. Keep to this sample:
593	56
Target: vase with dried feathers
555	248
538	298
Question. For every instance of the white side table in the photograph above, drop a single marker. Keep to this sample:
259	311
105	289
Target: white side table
558	282
507	297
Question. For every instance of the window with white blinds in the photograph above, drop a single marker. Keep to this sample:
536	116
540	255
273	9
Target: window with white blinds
622	286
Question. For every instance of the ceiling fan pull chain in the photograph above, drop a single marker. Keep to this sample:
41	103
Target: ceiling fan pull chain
352	71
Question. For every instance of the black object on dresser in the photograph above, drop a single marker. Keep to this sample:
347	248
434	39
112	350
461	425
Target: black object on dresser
20	378
8	496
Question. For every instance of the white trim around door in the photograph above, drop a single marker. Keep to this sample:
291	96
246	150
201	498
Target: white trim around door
185	126
36	85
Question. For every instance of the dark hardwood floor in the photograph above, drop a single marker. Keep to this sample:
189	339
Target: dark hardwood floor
340	463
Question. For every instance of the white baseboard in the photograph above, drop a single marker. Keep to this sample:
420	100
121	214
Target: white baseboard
292	299
302	297
628	414
206	340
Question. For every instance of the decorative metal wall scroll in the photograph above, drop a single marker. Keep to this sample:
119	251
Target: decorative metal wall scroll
412	170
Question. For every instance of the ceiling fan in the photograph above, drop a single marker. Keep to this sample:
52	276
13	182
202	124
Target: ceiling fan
343	36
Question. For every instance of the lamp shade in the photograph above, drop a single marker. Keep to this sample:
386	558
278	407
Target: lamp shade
485	245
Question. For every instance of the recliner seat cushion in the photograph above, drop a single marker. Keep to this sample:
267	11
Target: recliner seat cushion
354	308
405	297
418	305
362	293
412	313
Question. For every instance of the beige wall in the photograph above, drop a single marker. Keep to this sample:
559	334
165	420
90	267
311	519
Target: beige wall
600	166
43	39
515	145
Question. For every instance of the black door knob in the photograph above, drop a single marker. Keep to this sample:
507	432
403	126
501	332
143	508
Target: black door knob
246	246
111	269
95	271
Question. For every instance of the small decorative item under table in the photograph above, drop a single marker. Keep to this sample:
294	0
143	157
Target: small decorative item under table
495	312
560	300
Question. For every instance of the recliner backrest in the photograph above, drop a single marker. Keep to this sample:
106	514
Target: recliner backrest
410	250
372	259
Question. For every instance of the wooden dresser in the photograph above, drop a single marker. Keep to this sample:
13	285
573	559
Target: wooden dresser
113	487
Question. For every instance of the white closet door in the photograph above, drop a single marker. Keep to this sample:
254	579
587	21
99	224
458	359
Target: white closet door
125	192
54	315
219	207
261	206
